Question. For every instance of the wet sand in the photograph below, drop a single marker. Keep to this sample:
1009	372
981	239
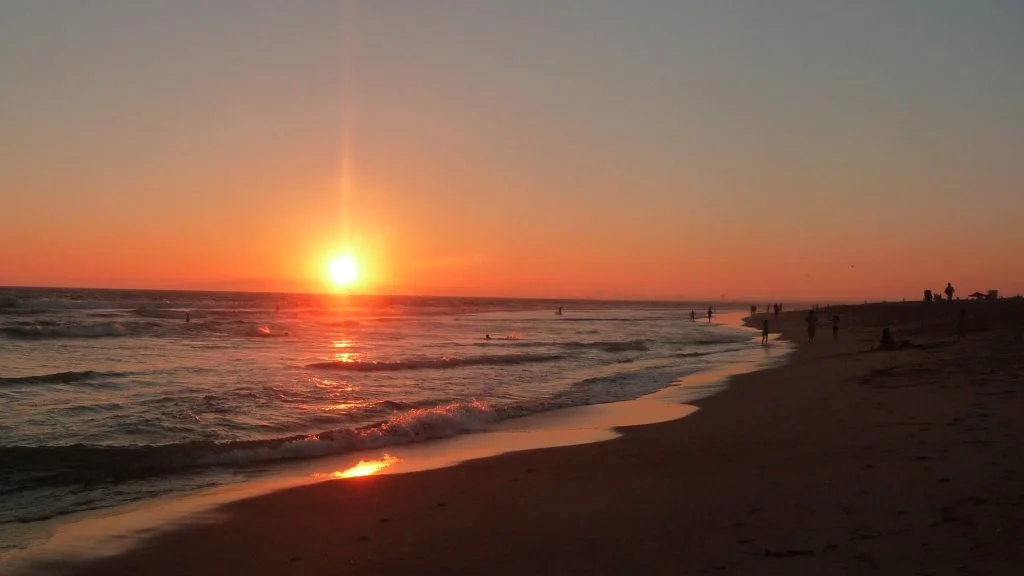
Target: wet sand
841	461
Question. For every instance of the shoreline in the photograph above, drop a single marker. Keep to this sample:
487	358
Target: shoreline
100	534
840	460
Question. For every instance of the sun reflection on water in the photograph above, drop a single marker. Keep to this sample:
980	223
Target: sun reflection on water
342	406
341	344
365	467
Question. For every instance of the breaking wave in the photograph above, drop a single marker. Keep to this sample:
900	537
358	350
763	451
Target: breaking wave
48	330
85	464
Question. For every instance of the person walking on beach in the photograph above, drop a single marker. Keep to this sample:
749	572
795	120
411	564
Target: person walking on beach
709	314
764	333
949	292
812	324
835	327
693	316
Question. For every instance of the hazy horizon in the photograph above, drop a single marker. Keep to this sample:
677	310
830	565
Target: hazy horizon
797	150
679	298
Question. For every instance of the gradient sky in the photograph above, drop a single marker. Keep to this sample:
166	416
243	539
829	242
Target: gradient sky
674	149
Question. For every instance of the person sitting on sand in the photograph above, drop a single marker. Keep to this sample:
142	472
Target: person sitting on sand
764	333
812	324
887	342
890	343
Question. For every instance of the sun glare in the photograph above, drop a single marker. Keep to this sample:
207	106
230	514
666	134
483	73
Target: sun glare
366	467
343	270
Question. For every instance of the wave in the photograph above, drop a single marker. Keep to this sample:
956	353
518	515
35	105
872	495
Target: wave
435	363
58	303
162	313
624	346
90	467
60	377
695	354
79	464
266	332
639	345
599	319
343	324
723	340
51	330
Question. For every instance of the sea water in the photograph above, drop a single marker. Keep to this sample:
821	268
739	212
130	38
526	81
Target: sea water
109	397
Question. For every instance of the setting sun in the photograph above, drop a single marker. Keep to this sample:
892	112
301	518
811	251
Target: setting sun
343	270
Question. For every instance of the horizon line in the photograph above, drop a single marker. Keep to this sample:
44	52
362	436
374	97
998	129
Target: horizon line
832	302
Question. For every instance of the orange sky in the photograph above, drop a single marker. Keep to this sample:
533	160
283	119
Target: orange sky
662	151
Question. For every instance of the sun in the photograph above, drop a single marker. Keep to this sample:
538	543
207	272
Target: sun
343	271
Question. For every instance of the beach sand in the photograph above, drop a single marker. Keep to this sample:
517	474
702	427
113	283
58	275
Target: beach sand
841	461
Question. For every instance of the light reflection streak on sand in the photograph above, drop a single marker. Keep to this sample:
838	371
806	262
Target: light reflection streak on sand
363	468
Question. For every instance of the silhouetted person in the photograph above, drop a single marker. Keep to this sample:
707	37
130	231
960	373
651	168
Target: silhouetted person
487	336
890	343
835	327
693	316
559	311
812	324
764	333
753	309
709	314
949	292
887	343
777	310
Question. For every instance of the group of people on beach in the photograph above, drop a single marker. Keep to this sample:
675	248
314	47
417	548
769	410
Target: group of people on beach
711	312
768	308
812	325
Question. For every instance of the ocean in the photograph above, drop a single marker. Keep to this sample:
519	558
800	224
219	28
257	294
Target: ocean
110	396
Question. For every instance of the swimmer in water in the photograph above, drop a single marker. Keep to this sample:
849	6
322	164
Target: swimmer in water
487	336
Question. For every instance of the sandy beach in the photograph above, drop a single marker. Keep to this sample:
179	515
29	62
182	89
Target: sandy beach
843	461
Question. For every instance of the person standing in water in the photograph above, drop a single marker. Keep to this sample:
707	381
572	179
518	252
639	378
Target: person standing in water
764	333
835	327
709	314
693	316
812	324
